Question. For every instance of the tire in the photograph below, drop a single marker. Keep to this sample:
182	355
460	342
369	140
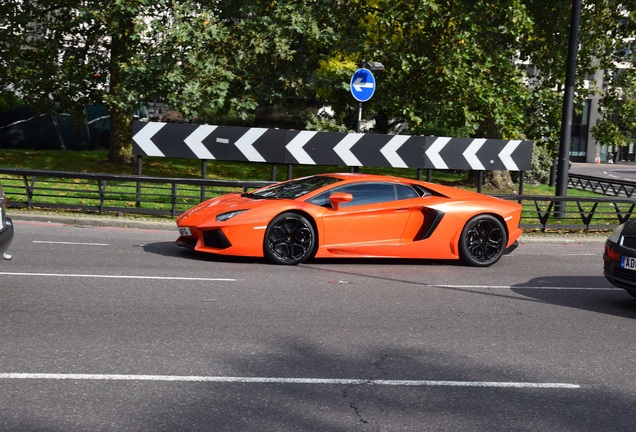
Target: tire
290	239
483	241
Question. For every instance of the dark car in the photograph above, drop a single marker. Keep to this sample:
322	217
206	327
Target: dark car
619	257
6	228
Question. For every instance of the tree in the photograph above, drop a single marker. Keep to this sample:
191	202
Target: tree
618	108
65	54
452	67
209	60
603	28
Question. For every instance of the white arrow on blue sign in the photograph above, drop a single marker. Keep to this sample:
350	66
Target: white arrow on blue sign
362	85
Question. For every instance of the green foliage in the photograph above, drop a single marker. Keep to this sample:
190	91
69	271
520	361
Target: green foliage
608	133
542	161
9	101
602	32
618	125
452	67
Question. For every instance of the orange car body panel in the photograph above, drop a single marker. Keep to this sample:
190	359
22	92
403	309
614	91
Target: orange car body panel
387	229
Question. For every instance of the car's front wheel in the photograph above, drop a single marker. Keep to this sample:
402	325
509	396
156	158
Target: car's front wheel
483	241
289	239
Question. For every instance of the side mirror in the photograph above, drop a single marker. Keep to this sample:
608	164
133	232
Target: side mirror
338	198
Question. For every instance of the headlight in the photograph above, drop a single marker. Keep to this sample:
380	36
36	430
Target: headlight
616	235
228	215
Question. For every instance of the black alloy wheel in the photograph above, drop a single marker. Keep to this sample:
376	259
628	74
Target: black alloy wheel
289	239
483	241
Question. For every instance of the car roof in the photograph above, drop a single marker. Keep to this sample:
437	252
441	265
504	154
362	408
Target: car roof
361	176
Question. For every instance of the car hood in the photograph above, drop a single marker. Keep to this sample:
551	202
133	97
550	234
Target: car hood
207	211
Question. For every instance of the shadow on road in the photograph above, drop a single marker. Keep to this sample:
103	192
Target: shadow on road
582	292
170	249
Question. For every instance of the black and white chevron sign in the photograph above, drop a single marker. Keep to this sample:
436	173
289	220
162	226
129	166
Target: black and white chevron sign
244	144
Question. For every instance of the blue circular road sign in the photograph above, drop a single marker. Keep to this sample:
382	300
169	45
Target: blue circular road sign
362	85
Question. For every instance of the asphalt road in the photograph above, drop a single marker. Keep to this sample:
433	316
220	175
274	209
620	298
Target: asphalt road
625	171
116	329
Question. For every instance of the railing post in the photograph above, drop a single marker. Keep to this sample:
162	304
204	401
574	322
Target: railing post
138	198
204	174
28	191
101	186
174	199
31	192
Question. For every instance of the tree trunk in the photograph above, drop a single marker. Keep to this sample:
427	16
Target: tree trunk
498	181
120	108
120	148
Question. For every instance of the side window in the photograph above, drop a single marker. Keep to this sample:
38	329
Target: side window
322	199
405	192
368	193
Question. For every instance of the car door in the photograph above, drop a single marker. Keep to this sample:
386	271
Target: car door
378	213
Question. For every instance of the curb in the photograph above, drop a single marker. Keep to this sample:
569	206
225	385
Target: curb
560	238
95	221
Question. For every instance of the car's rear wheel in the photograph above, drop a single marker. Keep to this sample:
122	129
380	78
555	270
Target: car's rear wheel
483	241
289	239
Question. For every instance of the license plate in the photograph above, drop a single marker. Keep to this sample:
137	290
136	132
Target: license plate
185	231
628	263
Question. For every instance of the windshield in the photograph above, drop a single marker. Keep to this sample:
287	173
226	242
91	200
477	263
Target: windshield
294	188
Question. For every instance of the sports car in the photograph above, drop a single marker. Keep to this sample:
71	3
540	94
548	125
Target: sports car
619	257
353	215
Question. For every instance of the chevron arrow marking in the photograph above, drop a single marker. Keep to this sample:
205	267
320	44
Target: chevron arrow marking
470	154
433	152
389	151
506	155
295	147
246	144
143	138
195	141
343	149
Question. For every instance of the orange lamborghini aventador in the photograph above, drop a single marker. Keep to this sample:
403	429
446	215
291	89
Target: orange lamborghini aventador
353	215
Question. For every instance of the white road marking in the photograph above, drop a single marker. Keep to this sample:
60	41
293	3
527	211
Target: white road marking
119	276
267	380
70	243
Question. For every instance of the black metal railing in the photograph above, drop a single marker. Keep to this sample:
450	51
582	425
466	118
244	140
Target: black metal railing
578	213
102	193
105	193
610	187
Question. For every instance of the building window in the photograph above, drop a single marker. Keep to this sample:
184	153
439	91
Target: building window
580	131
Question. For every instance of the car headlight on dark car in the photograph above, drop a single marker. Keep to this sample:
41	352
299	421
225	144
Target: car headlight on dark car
221	217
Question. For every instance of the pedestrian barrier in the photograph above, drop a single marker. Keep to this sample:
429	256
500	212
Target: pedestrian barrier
103	193
603	186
